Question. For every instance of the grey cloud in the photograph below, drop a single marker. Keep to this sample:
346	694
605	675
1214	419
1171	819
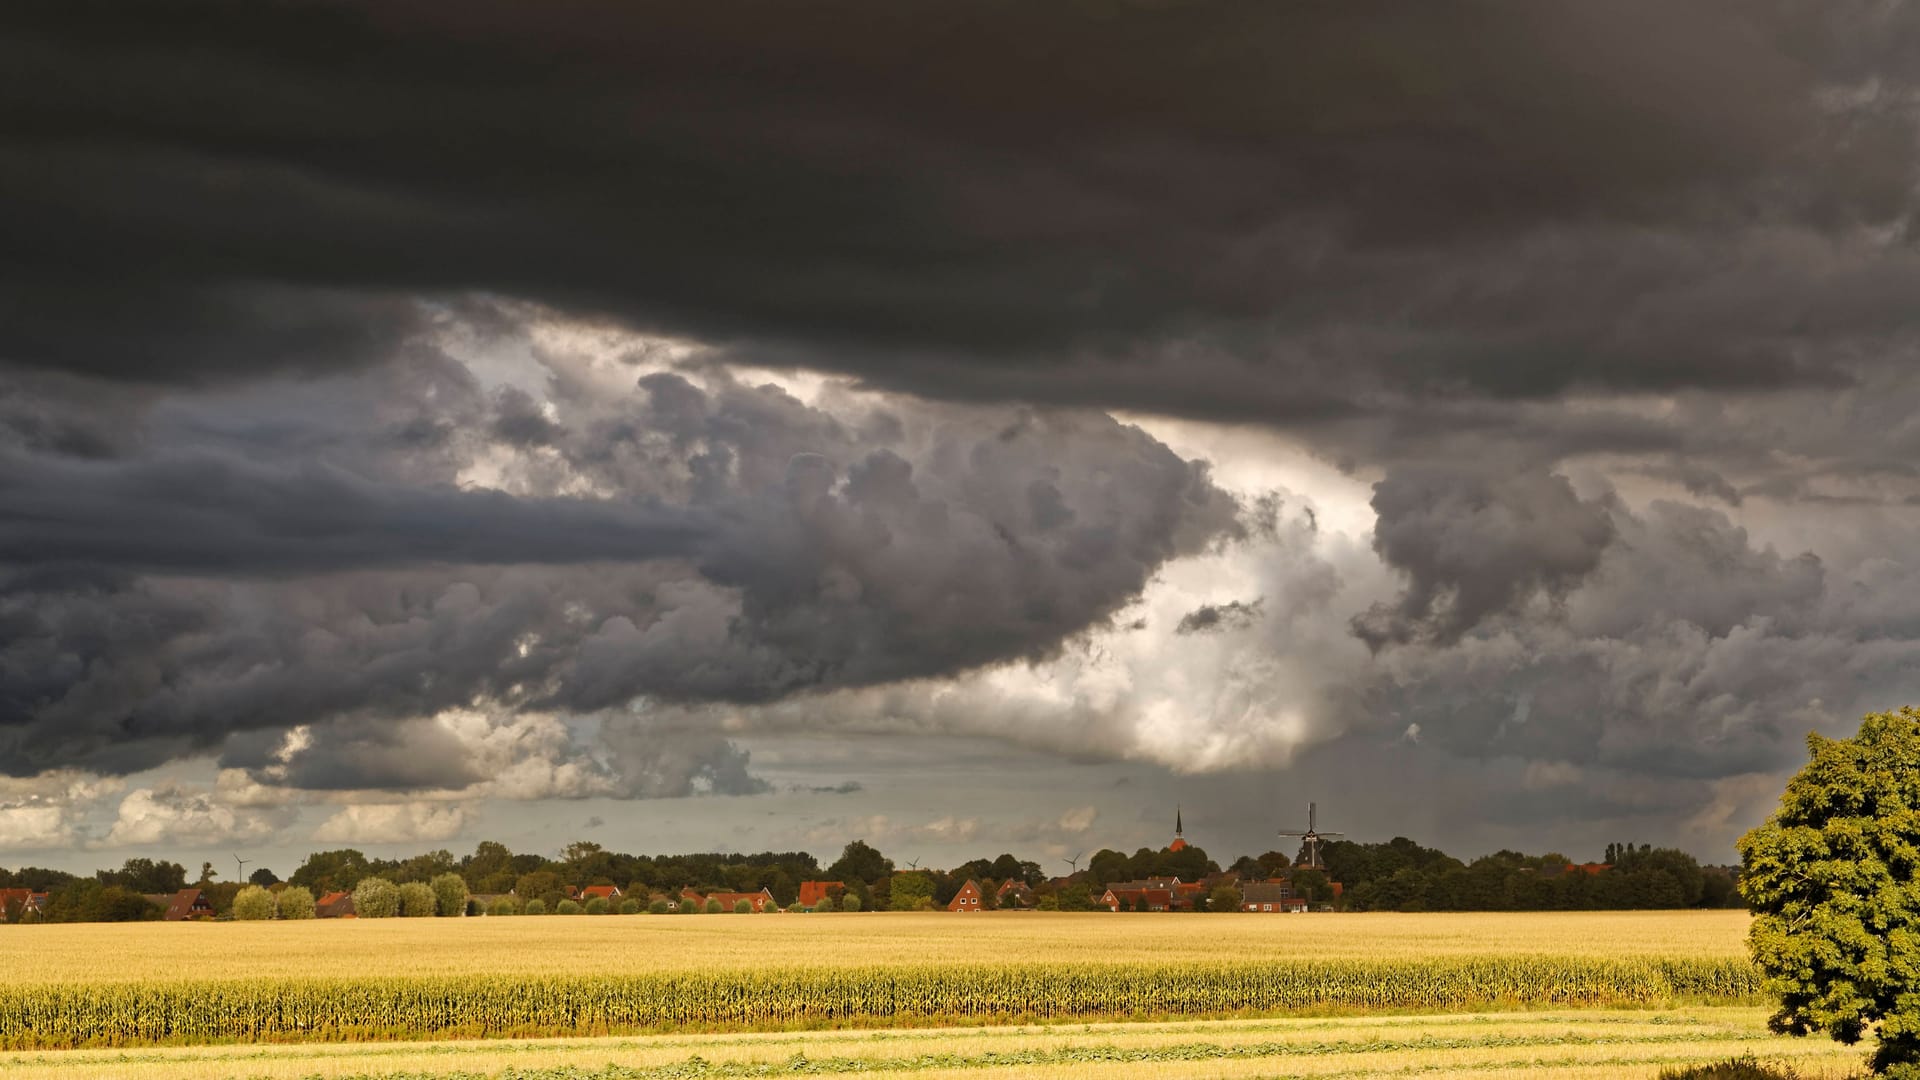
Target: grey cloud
760	548
1206	618
1475	542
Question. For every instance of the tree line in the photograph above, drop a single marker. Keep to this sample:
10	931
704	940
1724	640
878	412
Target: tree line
1398	875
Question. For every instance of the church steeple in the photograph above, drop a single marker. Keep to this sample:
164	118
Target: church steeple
1177	830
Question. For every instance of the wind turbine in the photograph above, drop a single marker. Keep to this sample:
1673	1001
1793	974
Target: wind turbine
913	864
240	869
1310	840
1074	863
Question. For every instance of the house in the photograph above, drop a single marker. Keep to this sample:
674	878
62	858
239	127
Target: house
609	893
1167	883
1224	877
1271	897
1015	894
969	898
189	904
20	903
689	897
335	905
812	892
1187	895
759	901
672	902
1119	899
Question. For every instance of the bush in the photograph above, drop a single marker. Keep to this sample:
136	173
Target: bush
506	905
567	907
743	907
825	905
295	902
253	904
449	894
597	906
659	907
536	906
376	898
795	908
849	902
629	906
713	907
417	900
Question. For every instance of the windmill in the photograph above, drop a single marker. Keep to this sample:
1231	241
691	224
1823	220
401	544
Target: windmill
240	869
1309	858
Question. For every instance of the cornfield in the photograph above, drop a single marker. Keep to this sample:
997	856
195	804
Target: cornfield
63	1015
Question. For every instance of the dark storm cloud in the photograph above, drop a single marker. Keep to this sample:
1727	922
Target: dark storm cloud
759	547
1231	615
211	188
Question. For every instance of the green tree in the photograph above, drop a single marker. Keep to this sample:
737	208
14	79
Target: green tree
253	904
536	906
1831	881
849	902
449	894
506	905
1225	898
376	898
568	907
659	907
912	891
860	862
293	902
629	906
597	906
743	907
713	907
417	900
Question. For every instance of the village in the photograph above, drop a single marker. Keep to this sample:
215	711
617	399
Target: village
1296	887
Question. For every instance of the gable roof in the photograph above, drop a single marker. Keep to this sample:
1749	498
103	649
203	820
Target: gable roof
967	899
604	892
335	905
186	904
1265	892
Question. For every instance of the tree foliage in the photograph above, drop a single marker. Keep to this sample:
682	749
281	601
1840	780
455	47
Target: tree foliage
253	904
376	898
295	902
449	894
1831	879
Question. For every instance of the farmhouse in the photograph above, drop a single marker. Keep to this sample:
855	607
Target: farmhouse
1117	898
20	903
189	904
1271	896
757	901
335	905
812	892
967	899
608	893
1014	894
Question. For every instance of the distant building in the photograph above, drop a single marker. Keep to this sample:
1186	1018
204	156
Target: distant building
1014	894
608	893
968	898
812	892
1271	897
1179	837
189	904
335	905
759	901
26	902
1118	898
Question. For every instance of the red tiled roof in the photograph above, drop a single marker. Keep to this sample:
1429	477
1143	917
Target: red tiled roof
605	892
186	904
812	892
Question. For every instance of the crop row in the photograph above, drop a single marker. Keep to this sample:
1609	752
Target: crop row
186	1011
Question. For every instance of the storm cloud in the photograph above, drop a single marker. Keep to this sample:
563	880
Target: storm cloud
424	403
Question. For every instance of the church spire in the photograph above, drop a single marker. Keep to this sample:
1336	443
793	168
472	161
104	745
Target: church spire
1177	830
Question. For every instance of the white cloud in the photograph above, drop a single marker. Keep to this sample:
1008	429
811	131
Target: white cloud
392	823
35	827
1078	820
173	813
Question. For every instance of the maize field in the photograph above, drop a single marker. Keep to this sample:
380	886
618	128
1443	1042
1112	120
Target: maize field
52	1016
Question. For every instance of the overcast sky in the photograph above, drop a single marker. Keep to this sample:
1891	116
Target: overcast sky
966	426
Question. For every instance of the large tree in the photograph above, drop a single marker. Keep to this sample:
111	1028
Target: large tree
1832	880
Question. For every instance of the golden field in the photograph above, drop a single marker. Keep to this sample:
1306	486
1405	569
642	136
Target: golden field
670	997
1572	1045
636	944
